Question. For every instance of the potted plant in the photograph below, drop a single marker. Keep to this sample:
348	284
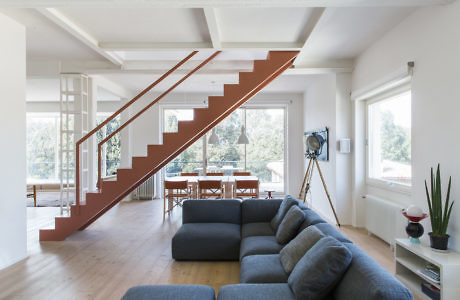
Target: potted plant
439	215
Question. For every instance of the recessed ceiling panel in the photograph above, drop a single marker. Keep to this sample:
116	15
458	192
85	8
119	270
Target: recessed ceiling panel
160	25
45	40
259	25
343	33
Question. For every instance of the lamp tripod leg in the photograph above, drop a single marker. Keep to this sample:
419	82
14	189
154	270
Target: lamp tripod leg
327	193
304	181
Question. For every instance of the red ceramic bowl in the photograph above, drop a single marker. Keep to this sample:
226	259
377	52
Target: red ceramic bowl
415	219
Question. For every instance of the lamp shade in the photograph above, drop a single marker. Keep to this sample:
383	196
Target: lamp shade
213	139
243	138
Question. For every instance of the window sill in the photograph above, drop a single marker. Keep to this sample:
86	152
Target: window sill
390	186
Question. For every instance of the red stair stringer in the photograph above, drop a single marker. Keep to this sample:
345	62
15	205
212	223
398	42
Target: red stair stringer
219	107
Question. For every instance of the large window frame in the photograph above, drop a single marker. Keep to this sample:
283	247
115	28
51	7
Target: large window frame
204	139
377	182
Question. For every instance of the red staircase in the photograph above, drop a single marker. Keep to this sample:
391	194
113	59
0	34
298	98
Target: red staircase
219	107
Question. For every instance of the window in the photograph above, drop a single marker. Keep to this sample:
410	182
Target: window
389	139
191	159
43	148
264	155
111	149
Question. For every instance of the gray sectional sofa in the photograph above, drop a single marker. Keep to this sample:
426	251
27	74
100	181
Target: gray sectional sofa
243	230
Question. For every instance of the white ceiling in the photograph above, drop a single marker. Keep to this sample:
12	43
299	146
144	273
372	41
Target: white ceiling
262	25
45	40
343	33
132	46
141	25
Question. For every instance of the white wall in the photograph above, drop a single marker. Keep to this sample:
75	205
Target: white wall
13	234
343	122
430	37
146	130
327	104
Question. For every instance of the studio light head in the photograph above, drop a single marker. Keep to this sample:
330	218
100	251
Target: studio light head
314	144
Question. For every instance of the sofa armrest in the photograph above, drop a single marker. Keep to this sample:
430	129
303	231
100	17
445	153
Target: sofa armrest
211	211
259	210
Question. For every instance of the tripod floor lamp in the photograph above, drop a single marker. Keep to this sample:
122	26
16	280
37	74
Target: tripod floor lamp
314	147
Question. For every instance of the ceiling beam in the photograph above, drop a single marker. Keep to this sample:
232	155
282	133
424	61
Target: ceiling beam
65	23
211	20
317	71
142	46
310	26
219	3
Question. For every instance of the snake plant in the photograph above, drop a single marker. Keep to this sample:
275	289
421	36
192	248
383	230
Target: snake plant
439	216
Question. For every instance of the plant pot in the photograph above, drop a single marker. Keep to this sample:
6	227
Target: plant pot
439	241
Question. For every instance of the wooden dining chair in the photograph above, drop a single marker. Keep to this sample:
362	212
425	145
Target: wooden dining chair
189	174
175	192
210	188
241	173
215	174
246	189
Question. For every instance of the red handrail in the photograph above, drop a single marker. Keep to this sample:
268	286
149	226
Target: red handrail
99	146
89	134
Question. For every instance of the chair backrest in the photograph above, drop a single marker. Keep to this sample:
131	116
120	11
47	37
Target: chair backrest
246	188
189	174
180	185
215	174
241	173
247	184
209	184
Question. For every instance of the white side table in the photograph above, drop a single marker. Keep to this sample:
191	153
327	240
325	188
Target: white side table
409	258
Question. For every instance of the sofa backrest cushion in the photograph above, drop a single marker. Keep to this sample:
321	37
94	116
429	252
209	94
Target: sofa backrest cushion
289	226
287	202
320	269
296	249
311	218
329	230
365	279
212	211
259	210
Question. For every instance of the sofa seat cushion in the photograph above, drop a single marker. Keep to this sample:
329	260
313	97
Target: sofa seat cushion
365	279
290	224
320	269
170	292
207	241
329	230
282	210
256	229
264	268
259	245
272	291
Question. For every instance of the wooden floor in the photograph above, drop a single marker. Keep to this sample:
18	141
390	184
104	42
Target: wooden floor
128	246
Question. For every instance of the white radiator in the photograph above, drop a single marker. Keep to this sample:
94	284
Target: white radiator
384	219
145	190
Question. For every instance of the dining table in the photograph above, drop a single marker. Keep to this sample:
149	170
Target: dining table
227	181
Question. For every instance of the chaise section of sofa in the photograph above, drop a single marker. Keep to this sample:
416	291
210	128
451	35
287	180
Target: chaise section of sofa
211	230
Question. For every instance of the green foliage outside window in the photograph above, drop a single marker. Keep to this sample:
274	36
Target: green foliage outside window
396	145
112	146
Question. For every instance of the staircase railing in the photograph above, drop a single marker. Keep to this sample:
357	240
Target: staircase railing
115	114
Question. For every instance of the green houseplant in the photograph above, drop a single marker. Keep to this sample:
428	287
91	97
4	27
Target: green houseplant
439	214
